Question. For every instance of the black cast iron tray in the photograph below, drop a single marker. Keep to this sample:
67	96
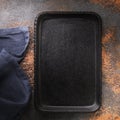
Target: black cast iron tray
68	61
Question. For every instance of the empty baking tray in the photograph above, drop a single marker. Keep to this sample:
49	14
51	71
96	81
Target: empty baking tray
68	62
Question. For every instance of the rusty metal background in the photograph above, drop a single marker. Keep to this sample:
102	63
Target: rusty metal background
15	13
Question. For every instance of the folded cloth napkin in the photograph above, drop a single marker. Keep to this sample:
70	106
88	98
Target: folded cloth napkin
14	41
14	86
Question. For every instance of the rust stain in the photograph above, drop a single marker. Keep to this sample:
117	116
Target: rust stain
106	116
107	67
110	60
28	65
107	56
114	4
103	2
109	36
116	88
28	62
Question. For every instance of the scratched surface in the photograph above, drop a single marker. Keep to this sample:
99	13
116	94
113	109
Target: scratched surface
15	13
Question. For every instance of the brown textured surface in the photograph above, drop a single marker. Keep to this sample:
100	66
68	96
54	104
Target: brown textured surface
110	60
22	12
107	116
113	4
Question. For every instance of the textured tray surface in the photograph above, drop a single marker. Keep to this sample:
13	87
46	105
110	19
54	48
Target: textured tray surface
69	61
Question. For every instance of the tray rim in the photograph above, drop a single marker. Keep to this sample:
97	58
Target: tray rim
46	108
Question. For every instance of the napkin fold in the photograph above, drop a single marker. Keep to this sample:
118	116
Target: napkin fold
15	89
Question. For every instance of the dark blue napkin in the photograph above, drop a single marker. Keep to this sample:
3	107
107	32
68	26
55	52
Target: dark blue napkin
14	86
14	41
